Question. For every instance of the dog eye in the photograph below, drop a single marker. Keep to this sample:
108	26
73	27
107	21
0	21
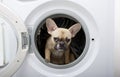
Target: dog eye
56	39
67	39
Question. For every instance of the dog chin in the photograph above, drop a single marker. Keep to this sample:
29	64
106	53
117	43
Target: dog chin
60	50
58	53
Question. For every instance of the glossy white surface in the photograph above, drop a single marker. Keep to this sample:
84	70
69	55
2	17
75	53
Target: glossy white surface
1	45
117	38
8	42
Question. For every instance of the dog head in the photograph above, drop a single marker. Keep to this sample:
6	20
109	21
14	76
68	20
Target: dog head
61	37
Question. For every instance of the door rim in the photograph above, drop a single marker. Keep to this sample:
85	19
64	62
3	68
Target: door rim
20	29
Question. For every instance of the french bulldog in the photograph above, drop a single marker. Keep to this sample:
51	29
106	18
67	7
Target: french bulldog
57	49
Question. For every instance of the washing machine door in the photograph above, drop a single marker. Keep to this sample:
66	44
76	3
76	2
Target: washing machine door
14	42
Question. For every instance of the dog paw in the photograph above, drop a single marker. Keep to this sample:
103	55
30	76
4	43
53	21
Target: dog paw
47	61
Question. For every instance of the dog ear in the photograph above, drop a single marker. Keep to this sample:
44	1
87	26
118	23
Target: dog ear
74	29
51	25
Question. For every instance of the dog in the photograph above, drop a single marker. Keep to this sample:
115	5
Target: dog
57	49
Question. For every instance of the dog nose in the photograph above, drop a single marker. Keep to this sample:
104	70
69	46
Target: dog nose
62	44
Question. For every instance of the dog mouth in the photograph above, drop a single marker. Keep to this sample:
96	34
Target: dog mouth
60	48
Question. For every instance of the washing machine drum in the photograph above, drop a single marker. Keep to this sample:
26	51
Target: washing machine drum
13	42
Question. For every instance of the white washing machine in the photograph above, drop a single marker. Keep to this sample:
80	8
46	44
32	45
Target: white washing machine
22	55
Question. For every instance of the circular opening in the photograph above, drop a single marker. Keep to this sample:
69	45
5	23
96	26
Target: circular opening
77	44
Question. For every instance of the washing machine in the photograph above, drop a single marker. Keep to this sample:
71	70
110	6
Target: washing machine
23	37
